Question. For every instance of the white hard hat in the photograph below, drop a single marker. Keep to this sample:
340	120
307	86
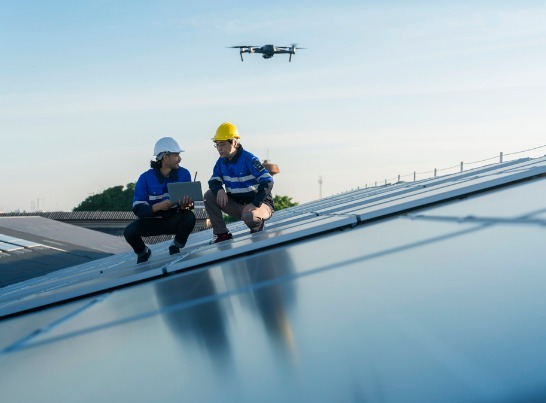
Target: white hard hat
166	145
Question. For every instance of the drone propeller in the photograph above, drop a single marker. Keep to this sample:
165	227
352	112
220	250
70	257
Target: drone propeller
242	48
294	46
293	50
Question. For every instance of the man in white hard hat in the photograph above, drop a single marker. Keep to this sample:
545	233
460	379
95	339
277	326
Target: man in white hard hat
240	186
157	215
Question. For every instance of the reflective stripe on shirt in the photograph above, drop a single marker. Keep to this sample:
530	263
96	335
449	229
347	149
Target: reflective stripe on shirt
243	190
158	197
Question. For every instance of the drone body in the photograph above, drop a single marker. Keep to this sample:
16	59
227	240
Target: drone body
268	51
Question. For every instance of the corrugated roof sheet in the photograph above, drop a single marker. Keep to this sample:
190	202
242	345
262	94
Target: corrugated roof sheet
200	214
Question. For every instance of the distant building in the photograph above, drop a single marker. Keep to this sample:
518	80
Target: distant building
108	222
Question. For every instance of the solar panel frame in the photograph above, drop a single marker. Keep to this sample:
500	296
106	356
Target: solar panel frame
19	242
9	247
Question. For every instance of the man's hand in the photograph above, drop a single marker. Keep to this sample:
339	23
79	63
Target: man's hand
164	205
221	198
186	203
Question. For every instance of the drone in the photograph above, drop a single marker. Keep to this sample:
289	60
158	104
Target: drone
268	51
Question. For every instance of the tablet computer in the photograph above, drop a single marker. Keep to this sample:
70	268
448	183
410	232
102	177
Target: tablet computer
178	190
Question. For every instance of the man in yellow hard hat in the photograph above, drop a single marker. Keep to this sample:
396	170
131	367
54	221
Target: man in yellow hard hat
240	186
157	214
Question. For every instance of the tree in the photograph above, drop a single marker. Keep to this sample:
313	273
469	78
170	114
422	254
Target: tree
282	202
118	199
112	199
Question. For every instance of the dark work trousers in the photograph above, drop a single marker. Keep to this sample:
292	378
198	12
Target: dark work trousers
253	219
180	225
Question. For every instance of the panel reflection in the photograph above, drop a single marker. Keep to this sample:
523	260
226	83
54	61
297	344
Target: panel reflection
204	321
272	295
198	307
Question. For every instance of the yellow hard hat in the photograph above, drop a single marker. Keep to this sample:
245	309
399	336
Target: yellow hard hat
226	131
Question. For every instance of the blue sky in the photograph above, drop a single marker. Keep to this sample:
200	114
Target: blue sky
383	88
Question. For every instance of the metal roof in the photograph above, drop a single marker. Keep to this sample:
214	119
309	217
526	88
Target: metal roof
423	291
34	246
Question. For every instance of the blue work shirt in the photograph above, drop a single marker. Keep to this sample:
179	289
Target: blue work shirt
151	188
244	177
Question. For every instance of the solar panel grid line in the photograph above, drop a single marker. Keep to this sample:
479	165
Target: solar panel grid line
27	339
480	219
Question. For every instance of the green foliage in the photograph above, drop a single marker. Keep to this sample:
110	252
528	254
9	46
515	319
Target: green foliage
112	199
229	219
118	199
282	202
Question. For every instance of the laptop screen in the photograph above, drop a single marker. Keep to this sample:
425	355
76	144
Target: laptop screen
179	190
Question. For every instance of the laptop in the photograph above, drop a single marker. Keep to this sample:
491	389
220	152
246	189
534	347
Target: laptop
178	190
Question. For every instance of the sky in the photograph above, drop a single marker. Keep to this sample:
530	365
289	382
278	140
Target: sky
383	88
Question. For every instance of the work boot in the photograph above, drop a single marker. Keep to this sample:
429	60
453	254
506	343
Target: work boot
175	247
144	256
221	237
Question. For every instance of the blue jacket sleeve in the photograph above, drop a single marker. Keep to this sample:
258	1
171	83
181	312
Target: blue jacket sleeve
141	207
215	182
265	180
